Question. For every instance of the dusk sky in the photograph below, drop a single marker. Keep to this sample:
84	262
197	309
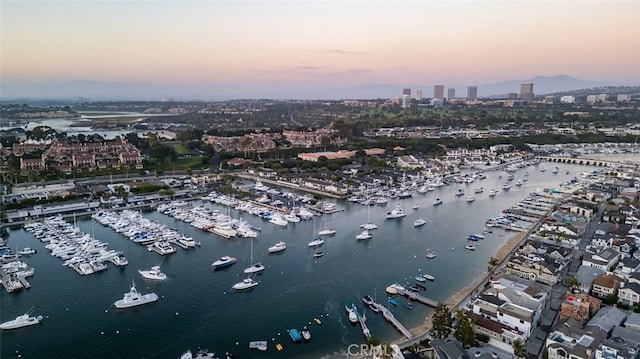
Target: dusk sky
305	44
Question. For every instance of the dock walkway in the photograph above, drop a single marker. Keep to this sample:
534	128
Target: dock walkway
415	297
386	313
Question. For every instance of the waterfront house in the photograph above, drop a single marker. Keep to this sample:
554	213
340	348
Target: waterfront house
515	321
539	268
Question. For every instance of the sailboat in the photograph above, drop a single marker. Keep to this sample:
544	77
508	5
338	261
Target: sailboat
326	231
253	268
368	225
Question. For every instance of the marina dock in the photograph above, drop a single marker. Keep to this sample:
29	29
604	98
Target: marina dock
365	330
386	313
415	297
13	283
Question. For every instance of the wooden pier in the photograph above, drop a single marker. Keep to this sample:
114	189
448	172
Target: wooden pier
362	319
415	297
386	313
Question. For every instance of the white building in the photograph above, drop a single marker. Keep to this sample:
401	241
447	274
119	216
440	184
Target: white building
568	99
623	97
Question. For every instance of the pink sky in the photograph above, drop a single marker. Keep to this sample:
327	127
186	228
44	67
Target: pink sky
304	43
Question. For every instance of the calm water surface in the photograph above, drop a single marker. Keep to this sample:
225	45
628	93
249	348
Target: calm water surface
198	309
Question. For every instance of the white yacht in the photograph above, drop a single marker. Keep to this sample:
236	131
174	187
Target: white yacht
316	242
493	192
246	283
133	298
396	213
224	261
26	251
479	190
327	232
161	247
364	235
280	246
253	267
23	320
278	220
459	192
292	217
437	202
519	182
470	198
369	226
419	222
153	273
260	187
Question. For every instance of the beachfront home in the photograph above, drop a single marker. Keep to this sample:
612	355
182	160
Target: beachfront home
539	268
629	293
502	320
603	260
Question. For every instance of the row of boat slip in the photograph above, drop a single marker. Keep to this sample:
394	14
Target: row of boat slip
157	237
78	250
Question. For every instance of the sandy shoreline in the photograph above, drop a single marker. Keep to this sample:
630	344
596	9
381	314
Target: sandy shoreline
455	300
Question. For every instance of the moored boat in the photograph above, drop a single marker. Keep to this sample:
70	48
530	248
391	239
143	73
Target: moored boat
153	273
364	235
419	222
295	335
280	246
133	298
245	284
224	261
306	334
20	321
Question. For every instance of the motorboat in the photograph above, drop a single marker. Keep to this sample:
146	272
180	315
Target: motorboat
420	278
260	187
506	186
26	251
245	284
261	345
369	226
437	202
224	261
133	298
278	220
153	273
493	192
430	255
476	236
280	246
367	299
479	190
23	320
201	354
316	242
295	335
306	334
396	213
470	247
519	182
351	311
459	192
428	277
317	320
393	301
415	206
327	232
120	260
318	253
364	235
470	198
161	247
419	222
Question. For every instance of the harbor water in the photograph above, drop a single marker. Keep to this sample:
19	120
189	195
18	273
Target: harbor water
198	309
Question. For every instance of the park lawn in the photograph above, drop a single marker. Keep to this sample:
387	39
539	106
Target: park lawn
180	149
182	164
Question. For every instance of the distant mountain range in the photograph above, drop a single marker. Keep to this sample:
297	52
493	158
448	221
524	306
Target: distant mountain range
98	90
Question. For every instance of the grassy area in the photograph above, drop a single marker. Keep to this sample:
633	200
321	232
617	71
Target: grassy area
181	164
180	149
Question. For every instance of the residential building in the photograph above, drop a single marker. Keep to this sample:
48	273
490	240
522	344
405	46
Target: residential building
603	260
418	95
605	285
585	276
606	319
567	99
629	293
624	98
406	91
570	340
579	306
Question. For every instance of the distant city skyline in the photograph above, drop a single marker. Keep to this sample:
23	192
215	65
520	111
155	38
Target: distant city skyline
261	47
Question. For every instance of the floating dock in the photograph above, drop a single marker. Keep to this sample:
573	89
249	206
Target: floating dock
365	330
415	297
386	313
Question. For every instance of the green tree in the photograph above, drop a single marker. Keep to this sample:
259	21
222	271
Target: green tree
464	329
519	348
442	321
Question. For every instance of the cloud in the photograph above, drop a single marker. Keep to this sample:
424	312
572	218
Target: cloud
341	52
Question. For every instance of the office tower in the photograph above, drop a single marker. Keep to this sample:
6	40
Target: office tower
472	93
406	101
418	95
438	91
451	93
512	96
526	92
406	92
